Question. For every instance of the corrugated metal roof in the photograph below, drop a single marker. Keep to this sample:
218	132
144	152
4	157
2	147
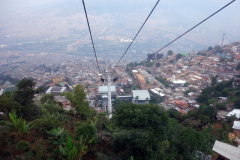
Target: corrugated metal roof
236	125
226	150
142	94
235	112
104	89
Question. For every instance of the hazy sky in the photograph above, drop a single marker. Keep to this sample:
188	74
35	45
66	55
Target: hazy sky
194	10
170	14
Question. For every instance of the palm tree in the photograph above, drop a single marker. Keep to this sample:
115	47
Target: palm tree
136	99
147	100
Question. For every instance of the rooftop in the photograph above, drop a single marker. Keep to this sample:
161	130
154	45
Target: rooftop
140	78
236	125
142	94
104	89
235	112
226	150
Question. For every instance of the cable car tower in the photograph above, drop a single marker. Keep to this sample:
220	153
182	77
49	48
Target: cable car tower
109	75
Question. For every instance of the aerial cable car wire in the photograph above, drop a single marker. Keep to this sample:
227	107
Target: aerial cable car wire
137	33
90	34
191	29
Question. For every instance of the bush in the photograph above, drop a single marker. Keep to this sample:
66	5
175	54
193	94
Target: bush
79	123
6	154
72	125
23	145
33	140
28	156
220	106
101	122
52	108
40	150
87	130
50	148
34	152
55	154
46	123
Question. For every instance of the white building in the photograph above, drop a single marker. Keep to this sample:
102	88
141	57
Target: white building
226	150
103	91
56	90
235	112
140	96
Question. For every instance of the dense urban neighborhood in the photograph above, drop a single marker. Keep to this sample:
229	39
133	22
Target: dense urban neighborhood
198	91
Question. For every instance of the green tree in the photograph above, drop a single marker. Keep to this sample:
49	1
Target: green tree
158	65
214	81
204	119
219	87
25	93
142	128
218	49
191	142
8	104
203	98
237	103
178	56
225	92
87	131
67	87
78	100
210	48
51	108
220	106
117	102
136	99
174	114
170	52
46	123
162	81
47	98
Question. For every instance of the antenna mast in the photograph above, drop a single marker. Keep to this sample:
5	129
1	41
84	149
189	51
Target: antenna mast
223	39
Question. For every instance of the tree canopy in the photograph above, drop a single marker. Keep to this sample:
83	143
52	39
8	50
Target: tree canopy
170	52
178	56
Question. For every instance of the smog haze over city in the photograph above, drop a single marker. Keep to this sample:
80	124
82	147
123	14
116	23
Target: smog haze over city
169	95
60	26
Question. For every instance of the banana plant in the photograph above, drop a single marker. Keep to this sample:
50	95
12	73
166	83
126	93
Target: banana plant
75	151
109	127
57	136
19	125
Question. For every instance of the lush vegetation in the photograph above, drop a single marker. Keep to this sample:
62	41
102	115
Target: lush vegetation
9	78
46	131
162	81
43	130
146	64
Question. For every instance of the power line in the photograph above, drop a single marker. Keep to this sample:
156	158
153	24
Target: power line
138	32
191	29
90	34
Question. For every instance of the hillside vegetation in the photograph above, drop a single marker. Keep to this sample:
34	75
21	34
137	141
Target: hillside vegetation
43	130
